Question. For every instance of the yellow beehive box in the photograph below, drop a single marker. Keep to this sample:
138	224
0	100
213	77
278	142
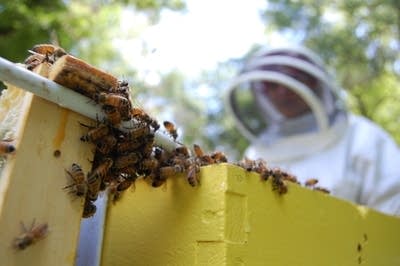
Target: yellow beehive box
234	218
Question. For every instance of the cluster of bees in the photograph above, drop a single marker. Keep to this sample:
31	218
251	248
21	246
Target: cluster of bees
123	156
278	177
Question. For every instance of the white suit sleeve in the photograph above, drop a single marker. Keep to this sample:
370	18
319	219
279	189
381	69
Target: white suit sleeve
383	191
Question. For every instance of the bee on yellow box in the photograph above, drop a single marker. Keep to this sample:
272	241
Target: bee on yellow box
171	129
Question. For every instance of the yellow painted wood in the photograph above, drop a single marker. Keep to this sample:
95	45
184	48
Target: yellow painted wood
233	218
32	181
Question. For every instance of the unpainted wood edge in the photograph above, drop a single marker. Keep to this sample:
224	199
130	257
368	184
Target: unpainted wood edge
9	165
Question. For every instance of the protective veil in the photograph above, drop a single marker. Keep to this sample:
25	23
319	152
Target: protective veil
351	156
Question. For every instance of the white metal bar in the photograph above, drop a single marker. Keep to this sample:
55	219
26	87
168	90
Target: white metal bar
51	91
91	235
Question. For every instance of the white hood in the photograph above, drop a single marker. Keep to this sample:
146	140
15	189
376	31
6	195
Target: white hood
274	137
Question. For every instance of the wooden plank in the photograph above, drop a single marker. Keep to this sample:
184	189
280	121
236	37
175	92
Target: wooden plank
234	218
32	181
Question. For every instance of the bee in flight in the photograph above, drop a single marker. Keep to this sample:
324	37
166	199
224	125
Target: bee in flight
171	129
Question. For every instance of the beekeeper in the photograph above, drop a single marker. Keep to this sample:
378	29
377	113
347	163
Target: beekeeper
290	108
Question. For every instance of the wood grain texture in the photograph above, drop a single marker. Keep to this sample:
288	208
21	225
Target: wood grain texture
78	75
31	184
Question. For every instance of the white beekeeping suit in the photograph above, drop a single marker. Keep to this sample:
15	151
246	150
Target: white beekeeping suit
291	109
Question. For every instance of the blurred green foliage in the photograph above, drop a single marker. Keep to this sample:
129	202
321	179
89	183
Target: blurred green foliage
68	23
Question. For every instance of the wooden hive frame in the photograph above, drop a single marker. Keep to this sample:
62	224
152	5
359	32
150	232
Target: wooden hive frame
32	181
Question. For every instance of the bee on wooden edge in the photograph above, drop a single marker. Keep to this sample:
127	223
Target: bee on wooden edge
31	235
6	147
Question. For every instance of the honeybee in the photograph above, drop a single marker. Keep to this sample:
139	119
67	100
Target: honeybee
89	209
111	99
219	157
138	113
160	154
141	115
321	189
30	236
116	196
311	182
44	52
261	166
78	179
154	124
102	169
6	147
126	160
171	129
203	159
48	49
247	164
123	88
147	148
278	183
192	174
124	185
106	144
120	102
198	151
128	146
167	171
113	192
149	163
289	177
130	172
94	178
112	115
95	133
265	174
108	178
182	150
158	180
125	112
34	60
138	131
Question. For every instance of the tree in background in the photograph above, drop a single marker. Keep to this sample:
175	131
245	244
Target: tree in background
25	23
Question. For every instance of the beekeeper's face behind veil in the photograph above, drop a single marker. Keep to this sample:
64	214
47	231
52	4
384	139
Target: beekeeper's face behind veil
286	104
